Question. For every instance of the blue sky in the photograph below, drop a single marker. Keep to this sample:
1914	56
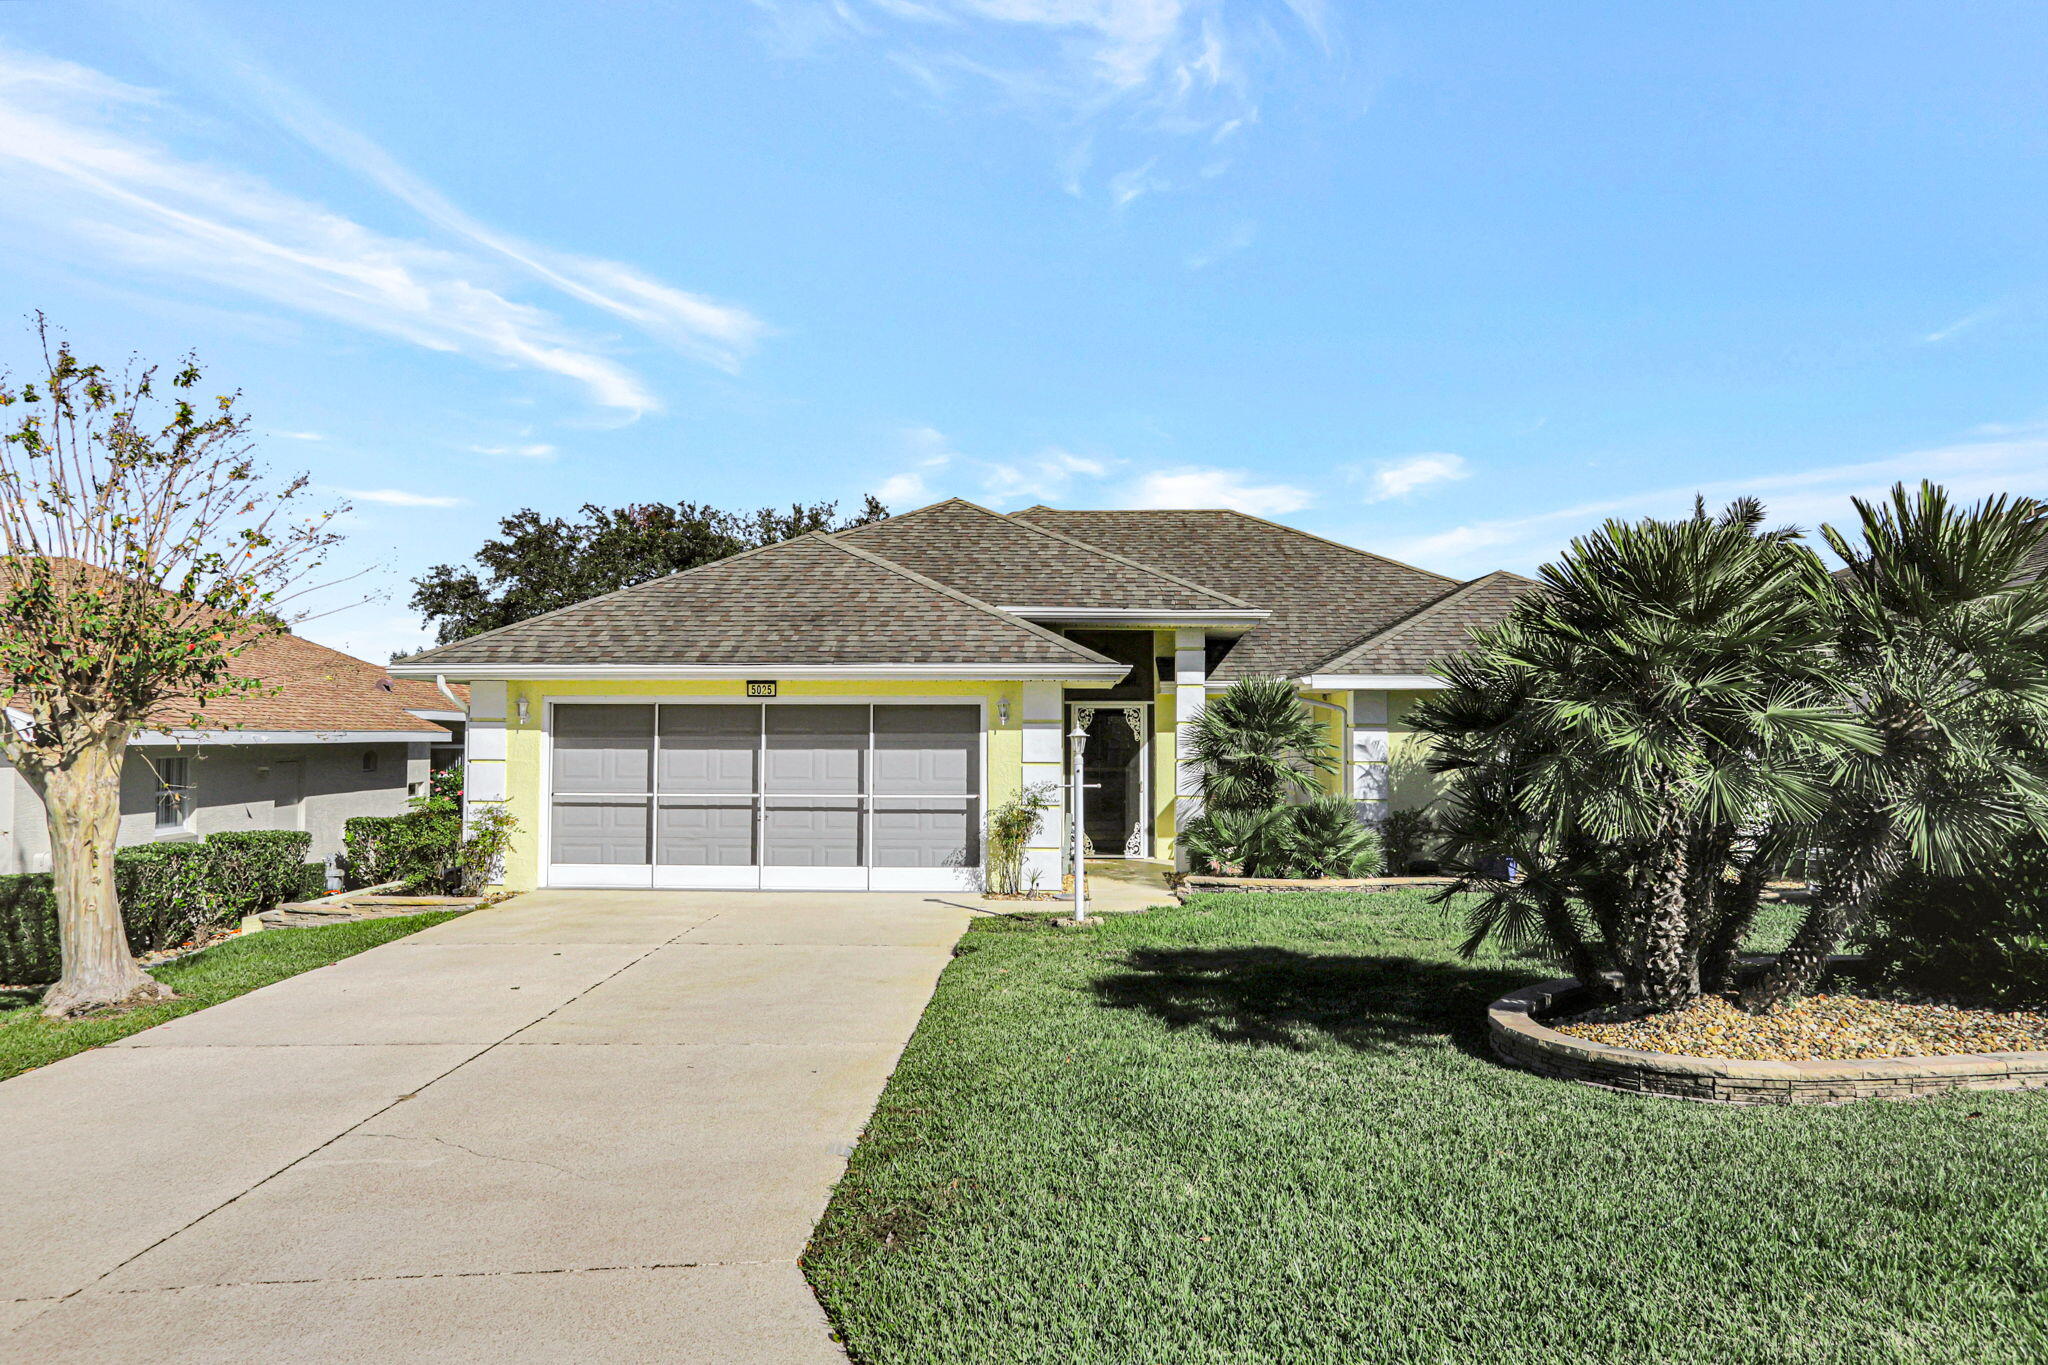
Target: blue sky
1447	281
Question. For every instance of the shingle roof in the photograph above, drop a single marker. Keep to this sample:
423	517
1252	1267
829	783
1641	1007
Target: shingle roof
309	687
1323	596
1001	559
1443	627
305	687
812	600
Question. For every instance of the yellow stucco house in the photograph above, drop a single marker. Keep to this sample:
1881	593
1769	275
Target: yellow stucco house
840	711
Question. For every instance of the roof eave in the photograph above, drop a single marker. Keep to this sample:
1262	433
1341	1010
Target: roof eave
1371	682
253	736
1078	671
1243	619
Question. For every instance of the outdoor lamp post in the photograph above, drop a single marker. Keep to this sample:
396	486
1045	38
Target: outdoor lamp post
1077	741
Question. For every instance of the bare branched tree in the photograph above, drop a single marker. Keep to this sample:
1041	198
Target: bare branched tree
141	550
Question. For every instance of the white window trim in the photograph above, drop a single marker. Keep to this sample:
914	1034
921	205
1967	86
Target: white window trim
188	791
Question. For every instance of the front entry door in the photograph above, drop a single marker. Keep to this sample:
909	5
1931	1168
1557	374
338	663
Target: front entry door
1116	812
782	795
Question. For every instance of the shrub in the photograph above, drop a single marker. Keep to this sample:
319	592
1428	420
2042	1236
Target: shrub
166	894
482	857
426	848
28	930
310	883
381	848
1011	827
1409	838
252	870
1980	937
1233	843
1325	838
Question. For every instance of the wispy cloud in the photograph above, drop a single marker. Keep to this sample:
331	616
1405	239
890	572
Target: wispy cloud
537	450
298	435
1046	476
1205	487
1963	324
935	465
398	497
87	166
1806	498
1229	244
1134	72
1411	473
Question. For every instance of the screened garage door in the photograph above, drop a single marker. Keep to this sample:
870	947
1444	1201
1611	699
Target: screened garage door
788	795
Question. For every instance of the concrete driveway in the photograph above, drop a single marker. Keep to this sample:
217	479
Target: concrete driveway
590	1125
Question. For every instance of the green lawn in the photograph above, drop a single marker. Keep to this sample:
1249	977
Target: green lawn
1267	1129
234	968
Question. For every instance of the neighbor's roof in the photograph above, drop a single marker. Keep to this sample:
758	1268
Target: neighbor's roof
1323	596
1017	563
1443	627
304	688
309	687
815	600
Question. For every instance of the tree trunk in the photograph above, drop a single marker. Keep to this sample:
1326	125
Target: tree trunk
82	802
1837	906
1721	957
1660	976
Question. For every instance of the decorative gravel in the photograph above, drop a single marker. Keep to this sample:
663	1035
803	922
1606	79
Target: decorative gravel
1836	1028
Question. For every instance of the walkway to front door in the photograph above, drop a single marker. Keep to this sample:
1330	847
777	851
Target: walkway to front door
583	1125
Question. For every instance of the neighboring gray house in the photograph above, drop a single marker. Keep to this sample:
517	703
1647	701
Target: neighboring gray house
327	737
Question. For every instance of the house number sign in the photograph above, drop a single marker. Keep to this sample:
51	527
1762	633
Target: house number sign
760	689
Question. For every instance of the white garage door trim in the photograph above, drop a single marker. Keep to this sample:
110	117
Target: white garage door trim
862	878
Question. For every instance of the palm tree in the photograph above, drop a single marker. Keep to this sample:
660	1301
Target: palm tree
1942	652
1666	693
1258	744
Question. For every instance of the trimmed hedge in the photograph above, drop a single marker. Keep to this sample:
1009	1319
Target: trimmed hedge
28	930
169	894
420	848
311	884
255	869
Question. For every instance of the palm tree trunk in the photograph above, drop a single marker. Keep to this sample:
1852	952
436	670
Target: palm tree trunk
82	803
1721	955
1660	977
1838	906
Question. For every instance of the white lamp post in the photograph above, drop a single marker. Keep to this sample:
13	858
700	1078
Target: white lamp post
1077	741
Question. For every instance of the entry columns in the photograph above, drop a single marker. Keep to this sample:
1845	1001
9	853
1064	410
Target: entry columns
1190	695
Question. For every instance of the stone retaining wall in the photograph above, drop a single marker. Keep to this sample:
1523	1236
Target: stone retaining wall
1194	885
1517	1037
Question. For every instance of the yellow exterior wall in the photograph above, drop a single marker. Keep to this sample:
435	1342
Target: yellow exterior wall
1334	718
525	739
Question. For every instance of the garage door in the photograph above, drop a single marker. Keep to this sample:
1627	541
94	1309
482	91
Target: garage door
785	795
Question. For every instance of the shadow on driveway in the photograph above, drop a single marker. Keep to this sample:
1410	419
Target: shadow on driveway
1277	997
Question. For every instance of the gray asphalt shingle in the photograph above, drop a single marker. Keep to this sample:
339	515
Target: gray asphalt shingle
812	600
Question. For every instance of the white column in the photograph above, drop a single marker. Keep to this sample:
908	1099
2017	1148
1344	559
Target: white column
484	749
1370	787
1190	694
1042	739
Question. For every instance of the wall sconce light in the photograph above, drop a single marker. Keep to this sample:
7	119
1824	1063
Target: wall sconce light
522	711
1002	710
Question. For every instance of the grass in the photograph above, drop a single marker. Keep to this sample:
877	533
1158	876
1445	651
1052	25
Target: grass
1267	1129
241	965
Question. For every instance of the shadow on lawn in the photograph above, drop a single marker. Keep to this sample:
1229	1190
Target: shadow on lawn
1276	997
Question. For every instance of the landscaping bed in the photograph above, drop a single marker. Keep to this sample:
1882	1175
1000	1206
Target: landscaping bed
1819	1027
1271	1128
